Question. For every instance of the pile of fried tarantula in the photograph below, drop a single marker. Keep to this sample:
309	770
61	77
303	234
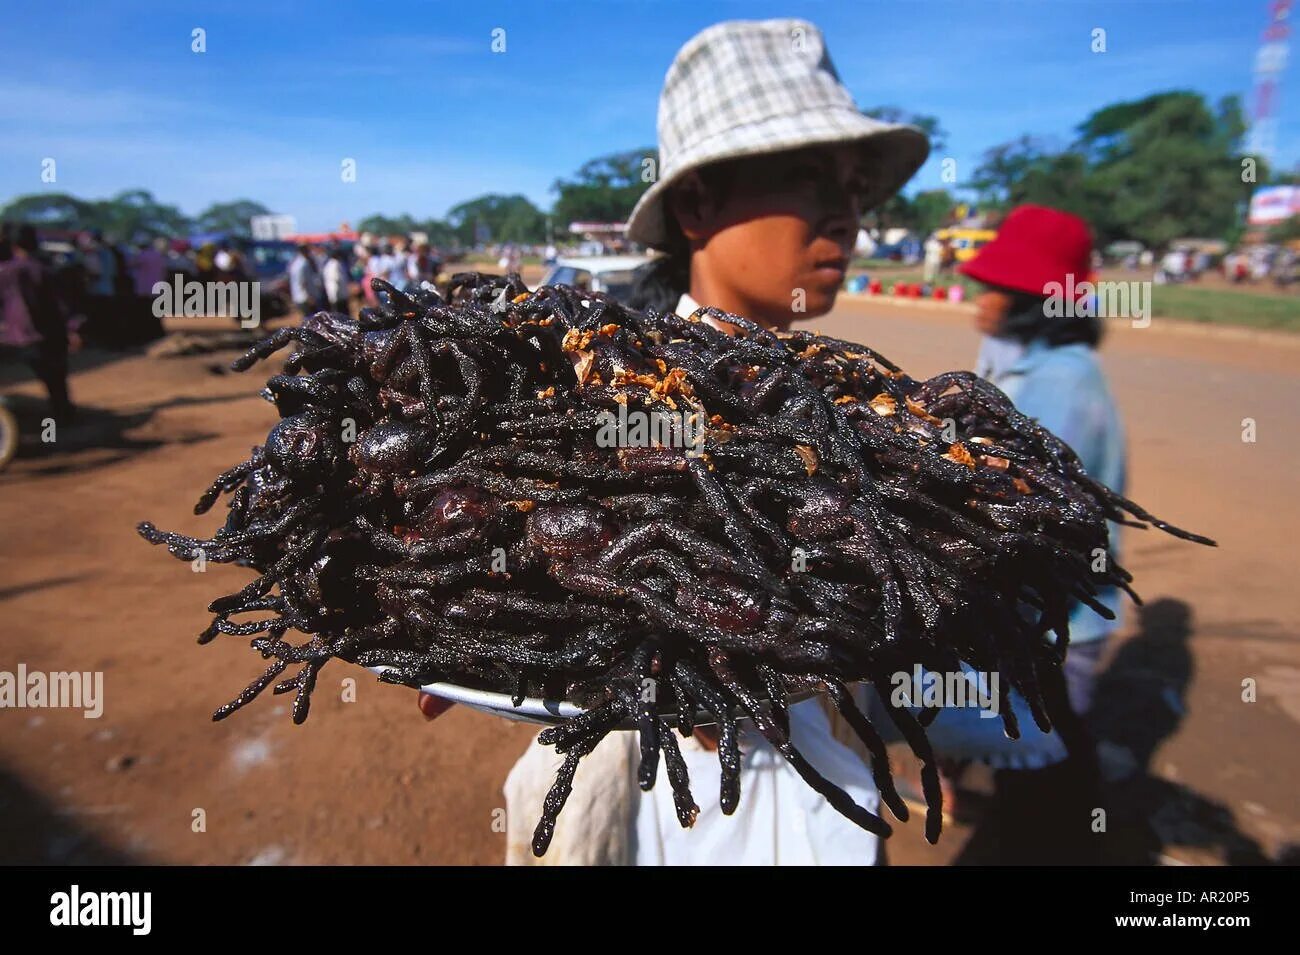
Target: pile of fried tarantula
437	499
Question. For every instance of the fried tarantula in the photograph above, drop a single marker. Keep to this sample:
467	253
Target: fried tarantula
435	499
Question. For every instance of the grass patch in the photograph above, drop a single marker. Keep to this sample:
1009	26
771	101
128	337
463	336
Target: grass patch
1226	307
1190	303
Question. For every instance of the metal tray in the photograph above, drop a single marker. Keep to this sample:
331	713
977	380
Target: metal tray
536	710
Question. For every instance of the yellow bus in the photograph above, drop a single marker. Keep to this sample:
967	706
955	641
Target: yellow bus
965	242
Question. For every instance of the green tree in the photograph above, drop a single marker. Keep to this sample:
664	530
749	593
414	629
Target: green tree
1153	170
440	233
1168	165
929	125
605	189
388	225
1003	168
134	215
931	209
1285	231
1063	181
922	214
53	210
502	218
232	217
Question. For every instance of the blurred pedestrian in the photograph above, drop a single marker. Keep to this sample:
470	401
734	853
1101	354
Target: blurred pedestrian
382	264
148	266
1284	268
510	258
123	284
101	284
933	258
398	264
375	268
180	262
34	319
205	262
305	286
1173	266
424	266
1200	263
1042	354
222	261
947	256
336	281
229	262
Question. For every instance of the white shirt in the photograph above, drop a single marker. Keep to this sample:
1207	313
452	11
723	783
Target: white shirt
304	281
687	306
780	820
336	280
397	269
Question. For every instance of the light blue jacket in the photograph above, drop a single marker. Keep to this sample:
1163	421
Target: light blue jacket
1065	389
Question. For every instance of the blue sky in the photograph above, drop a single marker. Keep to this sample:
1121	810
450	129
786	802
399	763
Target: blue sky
413	92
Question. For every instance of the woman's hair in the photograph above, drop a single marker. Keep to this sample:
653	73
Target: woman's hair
1027	321
662	281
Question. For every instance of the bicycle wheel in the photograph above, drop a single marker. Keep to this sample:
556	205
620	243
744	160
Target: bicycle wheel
8	436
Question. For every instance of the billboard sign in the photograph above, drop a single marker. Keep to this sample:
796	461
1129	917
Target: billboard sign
1273	204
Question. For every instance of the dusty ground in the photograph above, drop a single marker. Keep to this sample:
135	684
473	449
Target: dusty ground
1205	776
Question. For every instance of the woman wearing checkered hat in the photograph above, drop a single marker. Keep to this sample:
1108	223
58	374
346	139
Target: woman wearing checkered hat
766	167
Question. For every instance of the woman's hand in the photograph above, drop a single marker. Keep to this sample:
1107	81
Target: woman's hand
433	706
707	736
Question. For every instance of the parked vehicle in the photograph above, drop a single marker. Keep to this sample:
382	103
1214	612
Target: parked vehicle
269	261
611	274
966	242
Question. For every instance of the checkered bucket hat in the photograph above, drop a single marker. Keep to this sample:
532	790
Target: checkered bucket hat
744	88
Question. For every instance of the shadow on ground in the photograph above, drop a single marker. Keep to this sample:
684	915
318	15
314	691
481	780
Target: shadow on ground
1140	701
33	831
95	438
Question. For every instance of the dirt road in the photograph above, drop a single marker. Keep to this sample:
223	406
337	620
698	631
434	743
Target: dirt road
1198	774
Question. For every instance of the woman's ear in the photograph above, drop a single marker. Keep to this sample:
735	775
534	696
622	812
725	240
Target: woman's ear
691	206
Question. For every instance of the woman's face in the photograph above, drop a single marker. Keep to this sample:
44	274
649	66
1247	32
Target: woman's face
775	245
991	309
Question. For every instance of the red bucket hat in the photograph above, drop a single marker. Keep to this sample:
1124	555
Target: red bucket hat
1035	246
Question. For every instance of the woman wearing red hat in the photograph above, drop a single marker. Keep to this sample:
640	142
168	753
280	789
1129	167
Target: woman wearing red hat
1042	353
1039	255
